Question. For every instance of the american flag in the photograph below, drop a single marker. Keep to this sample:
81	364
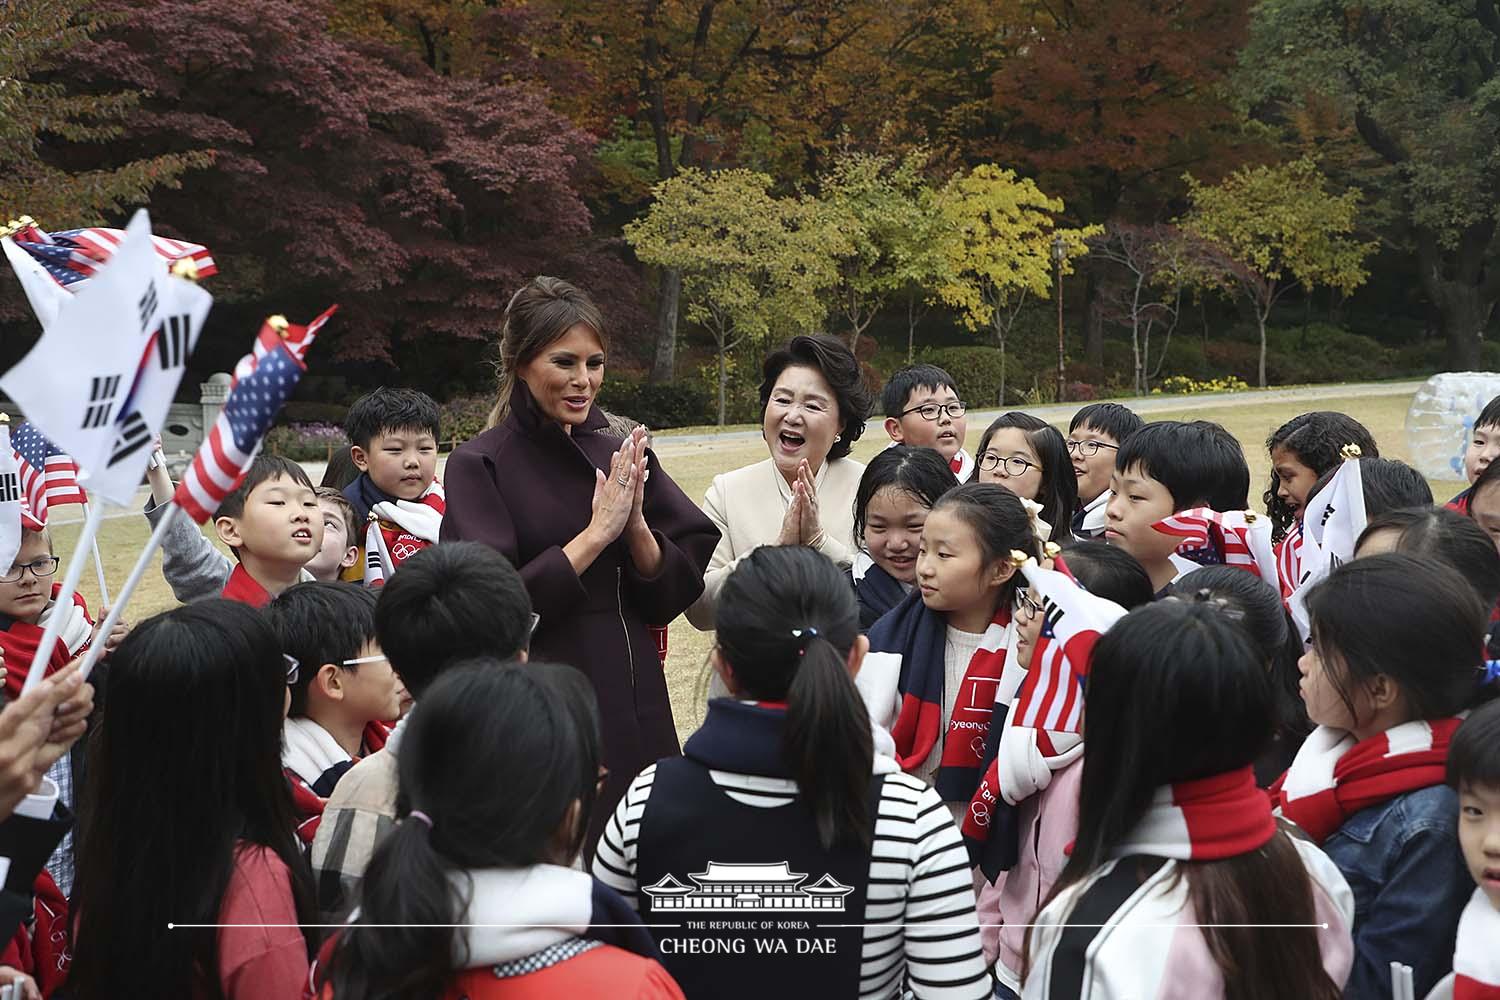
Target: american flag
73	256
1224	538
49	476
226	454
296	338
1289	561
1051	696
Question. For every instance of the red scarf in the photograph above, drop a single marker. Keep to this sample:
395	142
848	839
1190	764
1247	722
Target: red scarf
21	640
308	804
1333	776
243	588
42	948
1203	820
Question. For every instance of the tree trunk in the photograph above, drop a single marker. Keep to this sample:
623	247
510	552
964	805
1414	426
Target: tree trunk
1457	282
669	293
1093	322
1000	339
911	327
723	382
1260	320
1140	362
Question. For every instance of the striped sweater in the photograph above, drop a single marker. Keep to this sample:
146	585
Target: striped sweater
921	930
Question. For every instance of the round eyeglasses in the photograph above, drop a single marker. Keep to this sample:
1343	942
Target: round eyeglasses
1014	466
40	568
931	411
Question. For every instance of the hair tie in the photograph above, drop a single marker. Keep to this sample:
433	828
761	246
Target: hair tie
418	814
1205	596
803	635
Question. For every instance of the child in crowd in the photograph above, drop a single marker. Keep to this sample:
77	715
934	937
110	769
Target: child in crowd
338	557
272	523
394	435
1483	447
452	602
1387	485
1047	820
474	893
1302	450
1474	773
1163	468
192	566
1395	660
936	659
1029	457
1257	607
29	597
779	776
898	488
1483	500
344	695
1176	845
1094	438
1436	533
188	820
922	409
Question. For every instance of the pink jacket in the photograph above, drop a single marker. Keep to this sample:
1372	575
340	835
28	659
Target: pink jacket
1049	823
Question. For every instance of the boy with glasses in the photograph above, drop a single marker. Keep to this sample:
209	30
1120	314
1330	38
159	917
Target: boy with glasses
1094	437
922	409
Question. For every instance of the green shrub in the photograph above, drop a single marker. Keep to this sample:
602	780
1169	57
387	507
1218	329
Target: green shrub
305	442
684	403
464	417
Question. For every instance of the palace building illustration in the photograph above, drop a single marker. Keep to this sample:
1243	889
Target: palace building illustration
748	887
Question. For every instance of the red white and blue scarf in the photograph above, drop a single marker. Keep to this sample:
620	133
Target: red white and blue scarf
917	636
399	529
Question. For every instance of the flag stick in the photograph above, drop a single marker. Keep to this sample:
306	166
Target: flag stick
96	649
98	566
69	585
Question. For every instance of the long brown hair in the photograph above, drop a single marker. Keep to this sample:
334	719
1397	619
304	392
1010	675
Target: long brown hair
538	314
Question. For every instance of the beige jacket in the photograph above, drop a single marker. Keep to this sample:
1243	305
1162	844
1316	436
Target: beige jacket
359	814
747	506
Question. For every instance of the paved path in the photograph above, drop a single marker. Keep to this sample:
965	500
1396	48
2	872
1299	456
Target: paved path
1141	404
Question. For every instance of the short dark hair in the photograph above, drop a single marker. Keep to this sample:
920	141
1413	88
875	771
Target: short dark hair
1388	485
1437	533
1413	619
1474	753
1118	421
386	410
904	381
1490	415
920	472
450	602
1198	461
321	622
1110	572
839	369
264	468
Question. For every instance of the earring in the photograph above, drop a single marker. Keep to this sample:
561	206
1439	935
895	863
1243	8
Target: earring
837	438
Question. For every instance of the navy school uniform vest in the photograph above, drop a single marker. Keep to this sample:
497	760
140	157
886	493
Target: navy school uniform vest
744	901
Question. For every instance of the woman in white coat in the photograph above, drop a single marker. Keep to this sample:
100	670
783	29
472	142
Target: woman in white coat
814	408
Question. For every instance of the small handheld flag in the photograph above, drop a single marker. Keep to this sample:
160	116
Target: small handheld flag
49	476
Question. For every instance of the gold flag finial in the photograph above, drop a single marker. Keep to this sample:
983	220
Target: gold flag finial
186	268
278	323
1018	558
10	228
4	417
1349	451
1051	550
27	220
1249	517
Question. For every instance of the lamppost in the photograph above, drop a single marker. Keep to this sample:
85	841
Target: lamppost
1059	253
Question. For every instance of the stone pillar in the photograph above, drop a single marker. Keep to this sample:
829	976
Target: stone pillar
212	395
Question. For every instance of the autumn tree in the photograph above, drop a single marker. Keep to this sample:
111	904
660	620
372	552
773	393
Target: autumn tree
1107	103
752	264
997	244
42	121
884	205
347	170
1279	228
1415	83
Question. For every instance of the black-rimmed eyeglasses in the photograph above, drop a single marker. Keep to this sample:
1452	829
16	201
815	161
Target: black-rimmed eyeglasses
1088	449
931	411
1014	466
40	568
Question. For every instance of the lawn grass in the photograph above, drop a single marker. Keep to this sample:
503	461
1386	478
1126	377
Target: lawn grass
693	464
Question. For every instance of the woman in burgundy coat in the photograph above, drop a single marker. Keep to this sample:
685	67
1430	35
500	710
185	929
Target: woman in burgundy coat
607	543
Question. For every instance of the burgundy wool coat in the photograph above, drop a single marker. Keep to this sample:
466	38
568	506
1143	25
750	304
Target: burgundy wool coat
525	488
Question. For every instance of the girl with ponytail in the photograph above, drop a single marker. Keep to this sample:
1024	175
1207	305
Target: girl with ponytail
474	894
1176	845
773	806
